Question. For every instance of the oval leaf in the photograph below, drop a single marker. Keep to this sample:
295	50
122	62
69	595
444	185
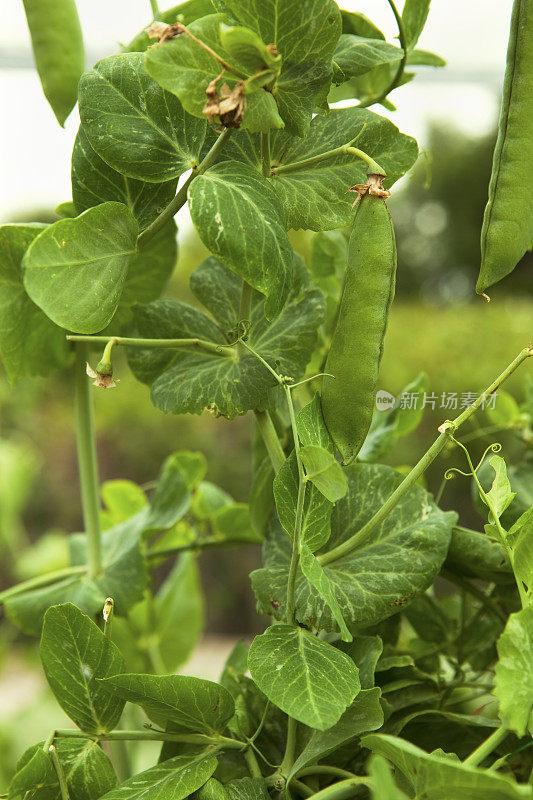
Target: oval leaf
75	269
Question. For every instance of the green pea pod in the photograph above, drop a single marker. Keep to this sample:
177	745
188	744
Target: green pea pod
58	50
357	344
507	230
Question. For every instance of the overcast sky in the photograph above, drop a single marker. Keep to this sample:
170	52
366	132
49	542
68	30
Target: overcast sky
34	162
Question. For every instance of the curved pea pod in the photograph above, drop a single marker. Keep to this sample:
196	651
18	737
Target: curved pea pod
507	230
357	344
58	50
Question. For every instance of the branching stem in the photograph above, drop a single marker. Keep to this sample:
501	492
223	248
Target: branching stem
486	748
369	101
345	149
210	347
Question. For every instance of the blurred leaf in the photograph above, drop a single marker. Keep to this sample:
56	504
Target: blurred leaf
186	12
208	499
355	55
383	786
122	499
306	677
425	59
171	498
262	497
329	254
233	523
414	16
505	411
75	655
75	269
513	682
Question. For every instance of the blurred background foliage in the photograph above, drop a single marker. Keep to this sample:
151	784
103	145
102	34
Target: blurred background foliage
438	326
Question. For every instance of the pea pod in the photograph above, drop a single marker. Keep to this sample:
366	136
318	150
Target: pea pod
58	50
357	343
507	230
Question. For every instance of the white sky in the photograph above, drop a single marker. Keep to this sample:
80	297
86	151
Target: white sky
35	152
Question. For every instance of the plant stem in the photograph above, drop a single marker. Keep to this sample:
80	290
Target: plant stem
296	544
265	154
166	552
41	580
447	428
488	602
342	789
181	197
153	736
345	149
245	308
155	8
251	763
320	769
301	787
485	748
290	747
87	462
60	774
401	66
210	347
270	438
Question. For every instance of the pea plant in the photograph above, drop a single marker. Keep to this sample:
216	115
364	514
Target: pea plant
398	662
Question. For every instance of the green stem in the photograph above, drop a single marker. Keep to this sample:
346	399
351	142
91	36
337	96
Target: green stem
166	552
41	580
488	602
155	8
125	341
271	439
436	448
87	462
290	747
342	789
181	197
401	66
320	769
153	736
301	787
265	154
345	149
251	763
63	788
296	543
485	748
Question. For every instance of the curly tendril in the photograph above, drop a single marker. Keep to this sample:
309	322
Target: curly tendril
450	473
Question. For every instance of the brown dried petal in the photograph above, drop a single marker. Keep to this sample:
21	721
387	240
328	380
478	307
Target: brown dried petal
228	105
158	30
102	381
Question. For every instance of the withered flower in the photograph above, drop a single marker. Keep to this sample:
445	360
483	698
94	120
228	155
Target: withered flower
102	381
228	105
373	186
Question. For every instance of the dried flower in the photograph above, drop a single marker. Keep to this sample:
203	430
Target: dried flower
102	381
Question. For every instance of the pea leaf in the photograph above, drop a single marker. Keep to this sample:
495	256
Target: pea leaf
305	35
185	69
173	779
219	290
383	786
513	683
506	410
324	472
75	655
424	58
500	495
134	126
437	776
184	381
307	678
76	268
316	520
171	498
311	427
364	715
30	343
192	703
476	555
400	560
88	771
360	25
122	499
187	12
523	547
95	182
355	55
365	651
314	197
233	523
239	218
318	578
58	51
414	16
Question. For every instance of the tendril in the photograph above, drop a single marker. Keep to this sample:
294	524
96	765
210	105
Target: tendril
450	473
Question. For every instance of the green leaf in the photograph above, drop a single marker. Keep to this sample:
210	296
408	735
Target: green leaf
76	268
523	548
30	343
414	16
171	499
122	499
324	472
245	46
314	197
193	465
360	25
134	126
417	58
355	55
316	521
318	578
262	497
173	779
476	555
398	562
438	776
124	578
364	715
248	789
187	12
88	772
329	254
305	35
513	683
239	218
192	703
311	427
383	786
75	655
58	51
500	495
307	678
95	182
505	412
179	613
233	523
365	652
208	499
219	290
184	381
